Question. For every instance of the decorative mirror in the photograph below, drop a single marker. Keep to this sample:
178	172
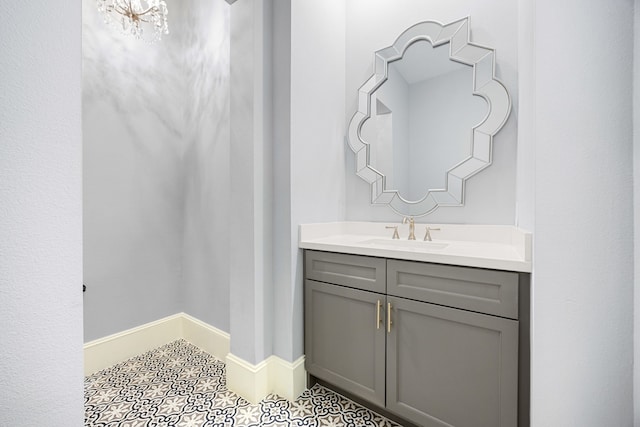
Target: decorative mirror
426	118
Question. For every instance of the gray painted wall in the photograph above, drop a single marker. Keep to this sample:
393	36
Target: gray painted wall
205	256
317	143
133	176
581	118
525	178
156	170
40	215
636	200
251	277
283	285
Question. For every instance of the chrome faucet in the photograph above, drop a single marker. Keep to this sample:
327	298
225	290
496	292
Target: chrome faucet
412	227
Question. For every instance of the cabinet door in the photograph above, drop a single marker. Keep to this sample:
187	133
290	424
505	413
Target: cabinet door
450	367
344	343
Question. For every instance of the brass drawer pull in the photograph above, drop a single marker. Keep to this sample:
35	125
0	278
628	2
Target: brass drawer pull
378	319
389	322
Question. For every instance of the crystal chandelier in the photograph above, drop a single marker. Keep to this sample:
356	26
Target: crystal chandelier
143	19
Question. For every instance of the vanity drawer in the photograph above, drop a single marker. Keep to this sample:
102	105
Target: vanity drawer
483	291
355	271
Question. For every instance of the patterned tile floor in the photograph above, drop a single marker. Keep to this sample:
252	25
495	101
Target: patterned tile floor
180	385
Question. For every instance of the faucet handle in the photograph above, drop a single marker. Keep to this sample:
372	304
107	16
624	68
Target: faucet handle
427	235
395	231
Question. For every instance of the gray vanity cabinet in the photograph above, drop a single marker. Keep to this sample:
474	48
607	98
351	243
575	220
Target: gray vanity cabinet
434	344
450	367
343	344
344	334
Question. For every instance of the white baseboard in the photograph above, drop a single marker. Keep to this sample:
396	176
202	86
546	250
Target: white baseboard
252	382
289	379
208	338
116	348
273	375
246	380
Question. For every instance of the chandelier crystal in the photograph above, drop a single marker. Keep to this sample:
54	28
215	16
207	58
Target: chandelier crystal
143	19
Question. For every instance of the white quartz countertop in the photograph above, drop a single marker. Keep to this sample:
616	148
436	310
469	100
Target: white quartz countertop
498	247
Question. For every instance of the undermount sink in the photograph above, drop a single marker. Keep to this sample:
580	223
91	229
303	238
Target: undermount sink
410	245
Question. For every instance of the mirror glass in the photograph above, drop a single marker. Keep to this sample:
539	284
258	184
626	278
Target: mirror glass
426	118
422	119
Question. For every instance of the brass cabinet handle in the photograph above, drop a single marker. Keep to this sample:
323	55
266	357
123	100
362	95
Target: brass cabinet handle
378	320
389	322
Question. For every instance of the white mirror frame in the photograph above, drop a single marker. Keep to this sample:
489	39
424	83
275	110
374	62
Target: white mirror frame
485	84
